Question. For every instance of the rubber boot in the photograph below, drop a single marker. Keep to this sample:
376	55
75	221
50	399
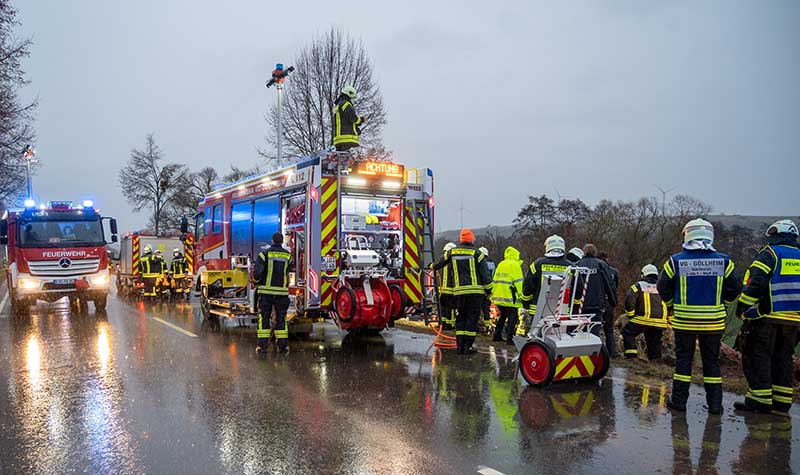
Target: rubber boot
459	344
714	398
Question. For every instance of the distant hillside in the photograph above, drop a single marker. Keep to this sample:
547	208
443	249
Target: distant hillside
756	223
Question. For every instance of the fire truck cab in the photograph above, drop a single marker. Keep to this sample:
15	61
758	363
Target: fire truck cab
56	250
359	232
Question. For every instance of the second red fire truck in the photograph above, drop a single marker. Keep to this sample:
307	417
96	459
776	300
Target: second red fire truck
359	231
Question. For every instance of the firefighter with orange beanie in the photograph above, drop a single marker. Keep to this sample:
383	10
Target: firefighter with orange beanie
471	282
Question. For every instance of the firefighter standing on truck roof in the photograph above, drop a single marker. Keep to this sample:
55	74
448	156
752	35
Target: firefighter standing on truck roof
770	307
647	314
346	121
553	263
696	285
180	270
271	274
507	294
470	283
446	298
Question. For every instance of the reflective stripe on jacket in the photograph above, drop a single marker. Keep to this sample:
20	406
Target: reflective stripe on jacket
345	122
643	305
179	267
507	281
271	271
536	274
772	284
697	284
469	271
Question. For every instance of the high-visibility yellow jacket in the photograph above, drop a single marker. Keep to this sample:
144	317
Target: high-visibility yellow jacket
507	282
346	122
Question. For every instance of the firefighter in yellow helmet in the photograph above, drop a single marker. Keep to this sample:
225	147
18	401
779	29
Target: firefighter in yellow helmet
507	294
180	273
346	121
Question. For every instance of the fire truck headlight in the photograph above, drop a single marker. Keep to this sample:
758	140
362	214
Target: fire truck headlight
26	283
392	184
100	280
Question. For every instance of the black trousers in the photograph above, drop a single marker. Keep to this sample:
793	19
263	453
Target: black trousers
608	329
469	309
684	357
506	321
266	304
343	147
448	309
767	363
652	338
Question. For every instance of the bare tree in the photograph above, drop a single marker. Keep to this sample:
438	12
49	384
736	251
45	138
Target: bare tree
16	117
193	187
147	184
322	68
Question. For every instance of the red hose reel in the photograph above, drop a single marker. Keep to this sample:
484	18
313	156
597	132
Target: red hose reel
359	305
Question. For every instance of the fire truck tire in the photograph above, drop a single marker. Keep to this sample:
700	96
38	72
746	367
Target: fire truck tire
398	302
604	364
537	364
100	303
345	303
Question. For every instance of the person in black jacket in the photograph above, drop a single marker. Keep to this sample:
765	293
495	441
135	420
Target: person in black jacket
346	121
271	274
610	312
600	291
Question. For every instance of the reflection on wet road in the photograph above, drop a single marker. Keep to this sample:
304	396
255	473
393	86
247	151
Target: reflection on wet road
136	392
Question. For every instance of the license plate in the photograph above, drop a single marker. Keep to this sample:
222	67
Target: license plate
64	282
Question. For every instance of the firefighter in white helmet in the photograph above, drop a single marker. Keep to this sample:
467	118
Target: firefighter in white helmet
553	263
696	284
770	307
180	274
150	269
647	314
446	303
346	121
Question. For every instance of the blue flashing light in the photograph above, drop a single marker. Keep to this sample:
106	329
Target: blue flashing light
30	204
279	66
88	204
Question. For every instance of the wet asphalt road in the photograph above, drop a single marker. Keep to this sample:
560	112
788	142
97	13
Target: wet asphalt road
151	390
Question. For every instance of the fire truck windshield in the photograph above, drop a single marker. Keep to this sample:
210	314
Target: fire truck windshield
60	232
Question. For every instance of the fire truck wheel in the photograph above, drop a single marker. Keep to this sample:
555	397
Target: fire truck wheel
100	303
537	364
398	301
345	303
604	363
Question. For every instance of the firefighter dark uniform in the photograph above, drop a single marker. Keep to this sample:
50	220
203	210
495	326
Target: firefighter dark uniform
271	275
507	293
695	285
151	268
346	122
470	283
180	270
770	304
532	284
647	314
446	297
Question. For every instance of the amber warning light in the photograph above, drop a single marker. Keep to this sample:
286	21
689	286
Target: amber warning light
381	169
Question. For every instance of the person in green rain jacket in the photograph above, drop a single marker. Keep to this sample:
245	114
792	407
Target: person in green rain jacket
507	293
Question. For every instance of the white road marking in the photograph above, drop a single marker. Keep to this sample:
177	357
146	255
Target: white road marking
488	471
175	327
3	305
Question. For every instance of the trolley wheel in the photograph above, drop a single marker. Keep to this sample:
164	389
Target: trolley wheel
398	302
604	364
345	303
537	364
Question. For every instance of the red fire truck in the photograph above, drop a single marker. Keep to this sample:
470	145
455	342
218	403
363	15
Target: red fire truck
56	250
359	232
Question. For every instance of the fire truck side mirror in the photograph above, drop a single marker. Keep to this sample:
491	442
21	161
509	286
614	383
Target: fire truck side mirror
184	225
114	238
4	231
113	225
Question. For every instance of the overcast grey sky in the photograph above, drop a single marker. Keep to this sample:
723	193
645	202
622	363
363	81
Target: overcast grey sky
501	99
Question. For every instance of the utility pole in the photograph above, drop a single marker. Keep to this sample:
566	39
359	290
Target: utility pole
461	213
278	76
28	154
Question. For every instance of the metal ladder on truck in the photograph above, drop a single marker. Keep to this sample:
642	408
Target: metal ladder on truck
423	214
